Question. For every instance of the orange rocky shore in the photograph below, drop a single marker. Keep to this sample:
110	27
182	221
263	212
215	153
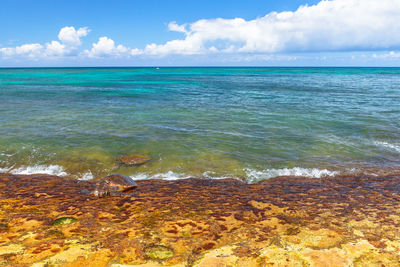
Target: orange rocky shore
286	221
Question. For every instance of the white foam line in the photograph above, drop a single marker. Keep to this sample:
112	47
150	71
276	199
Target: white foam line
4	170
252	175
40	169
164	176
86	176
394	147
255	175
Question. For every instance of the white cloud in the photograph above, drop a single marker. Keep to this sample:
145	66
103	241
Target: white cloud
70	41
172	26
330	26
28	50
55	48
72	37
106	47
390	55
68	44
337	25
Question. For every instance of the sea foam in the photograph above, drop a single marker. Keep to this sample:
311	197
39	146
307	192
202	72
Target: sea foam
394	147
86	176
252	175
164	176
4	170
255	175
40	169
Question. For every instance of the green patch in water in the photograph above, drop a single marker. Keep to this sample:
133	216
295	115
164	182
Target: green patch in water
63	221
159	252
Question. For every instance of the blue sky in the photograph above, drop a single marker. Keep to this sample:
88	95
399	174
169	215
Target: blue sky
206	33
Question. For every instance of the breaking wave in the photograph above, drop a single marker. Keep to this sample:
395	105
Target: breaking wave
250	175
37	169
255	175
86	176
164	176
394	147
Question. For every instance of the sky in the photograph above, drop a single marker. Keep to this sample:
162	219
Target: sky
48	33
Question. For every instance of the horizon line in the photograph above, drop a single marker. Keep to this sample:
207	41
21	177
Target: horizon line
188	66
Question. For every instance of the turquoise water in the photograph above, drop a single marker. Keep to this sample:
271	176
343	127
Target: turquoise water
250	123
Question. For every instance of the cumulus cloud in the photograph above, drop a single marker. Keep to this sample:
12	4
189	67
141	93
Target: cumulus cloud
338	25
72	37
106	47
28	50
70	40
68	45
55	48
390	55
329	26
173	26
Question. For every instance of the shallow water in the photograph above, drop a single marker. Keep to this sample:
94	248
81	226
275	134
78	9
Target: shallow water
251	123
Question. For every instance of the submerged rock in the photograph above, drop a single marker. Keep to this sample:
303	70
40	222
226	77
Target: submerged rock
64	220
133	160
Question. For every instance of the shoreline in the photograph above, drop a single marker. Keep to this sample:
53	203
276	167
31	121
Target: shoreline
250	176
346	221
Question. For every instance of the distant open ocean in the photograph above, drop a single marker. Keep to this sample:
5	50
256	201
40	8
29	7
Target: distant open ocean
247	123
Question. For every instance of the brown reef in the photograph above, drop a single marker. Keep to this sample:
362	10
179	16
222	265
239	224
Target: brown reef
285	221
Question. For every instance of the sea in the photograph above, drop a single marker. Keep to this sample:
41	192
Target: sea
247	123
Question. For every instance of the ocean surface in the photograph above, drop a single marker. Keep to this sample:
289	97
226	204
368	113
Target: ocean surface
247	123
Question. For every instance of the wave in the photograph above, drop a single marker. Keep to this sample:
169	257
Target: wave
255	175
37	169
170	175
164	176
86	176
251	175
4	170
394	147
